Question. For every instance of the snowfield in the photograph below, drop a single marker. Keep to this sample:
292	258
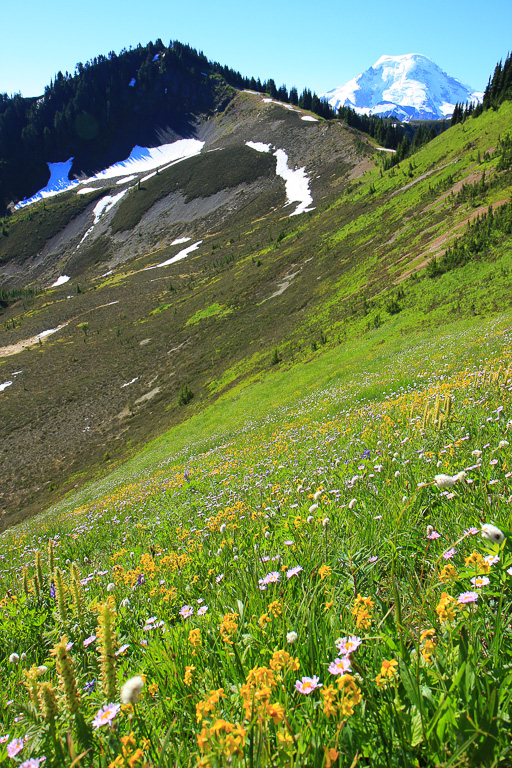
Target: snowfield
140	160
297	182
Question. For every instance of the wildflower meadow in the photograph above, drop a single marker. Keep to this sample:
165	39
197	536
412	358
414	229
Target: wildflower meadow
327	585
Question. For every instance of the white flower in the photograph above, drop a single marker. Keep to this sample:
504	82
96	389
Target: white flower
352	503
267	534
317	495
125	603
42	669
446	481
492	533
111	587
14	658
476	454
503	444
23	656
131	690
397	473
430	529
223	527
291	637
325	522
310	519
312	508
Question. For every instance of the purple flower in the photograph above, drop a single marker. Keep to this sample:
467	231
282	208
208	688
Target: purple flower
105	715
434	535
308	684
467	597
202	610
294	571
449	553
89	640
14	746
52	591
186	611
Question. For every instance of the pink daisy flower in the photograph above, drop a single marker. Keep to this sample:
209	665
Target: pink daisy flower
14	746
105	715
308	684
467	597
339	666
347	645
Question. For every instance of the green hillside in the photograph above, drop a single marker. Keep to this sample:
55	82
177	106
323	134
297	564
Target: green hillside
256	496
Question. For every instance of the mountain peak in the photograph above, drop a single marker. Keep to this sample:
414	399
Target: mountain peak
408	86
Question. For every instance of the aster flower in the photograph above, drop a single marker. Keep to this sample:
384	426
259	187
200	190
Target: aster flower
89	640
339	666
467	597
186	611
14	746
294	571
308	684
480	581
105	715
202	610
347	645
449	553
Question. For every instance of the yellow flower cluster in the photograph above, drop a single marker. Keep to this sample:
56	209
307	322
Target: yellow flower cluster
194	638
362	611
446	607
283	660
228	627
449	573
205	707
428	643
256	693
130	755
342	698
275	608
221	738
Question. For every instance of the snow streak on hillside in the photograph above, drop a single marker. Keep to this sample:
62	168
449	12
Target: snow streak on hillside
141	160
409	87
297	182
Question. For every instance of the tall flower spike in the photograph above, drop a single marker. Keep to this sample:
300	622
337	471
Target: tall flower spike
26	583
66	675
32	685
49	706
107	643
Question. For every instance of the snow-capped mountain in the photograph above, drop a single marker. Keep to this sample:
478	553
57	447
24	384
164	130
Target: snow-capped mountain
409	87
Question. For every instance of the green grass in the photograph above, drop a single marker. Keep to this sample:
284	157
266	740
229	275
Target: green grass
318	485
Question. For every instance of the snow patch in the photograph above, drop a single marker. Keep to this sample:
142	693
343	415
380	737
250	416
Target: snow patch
259	146
297	183
140	160
59	182
309	118
130	382
144	159
5	385
60	281
126	180
384	149
105	204
181	240
181	255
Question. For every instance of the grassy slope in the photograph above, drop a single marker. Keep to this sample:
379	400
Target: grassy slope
347	257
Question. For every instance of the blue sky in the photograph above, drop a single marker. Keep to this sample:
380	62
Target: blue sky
319	44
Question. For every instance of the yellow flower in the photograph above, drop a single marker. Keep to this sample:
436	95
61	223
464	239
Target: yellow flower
188	675
324	571
275	608
276	712
329	604
264	620
449	573
446	607
194	637
228	627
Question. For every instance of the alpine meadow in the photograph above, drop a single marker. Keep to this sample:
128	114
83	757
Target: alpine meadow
256	423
